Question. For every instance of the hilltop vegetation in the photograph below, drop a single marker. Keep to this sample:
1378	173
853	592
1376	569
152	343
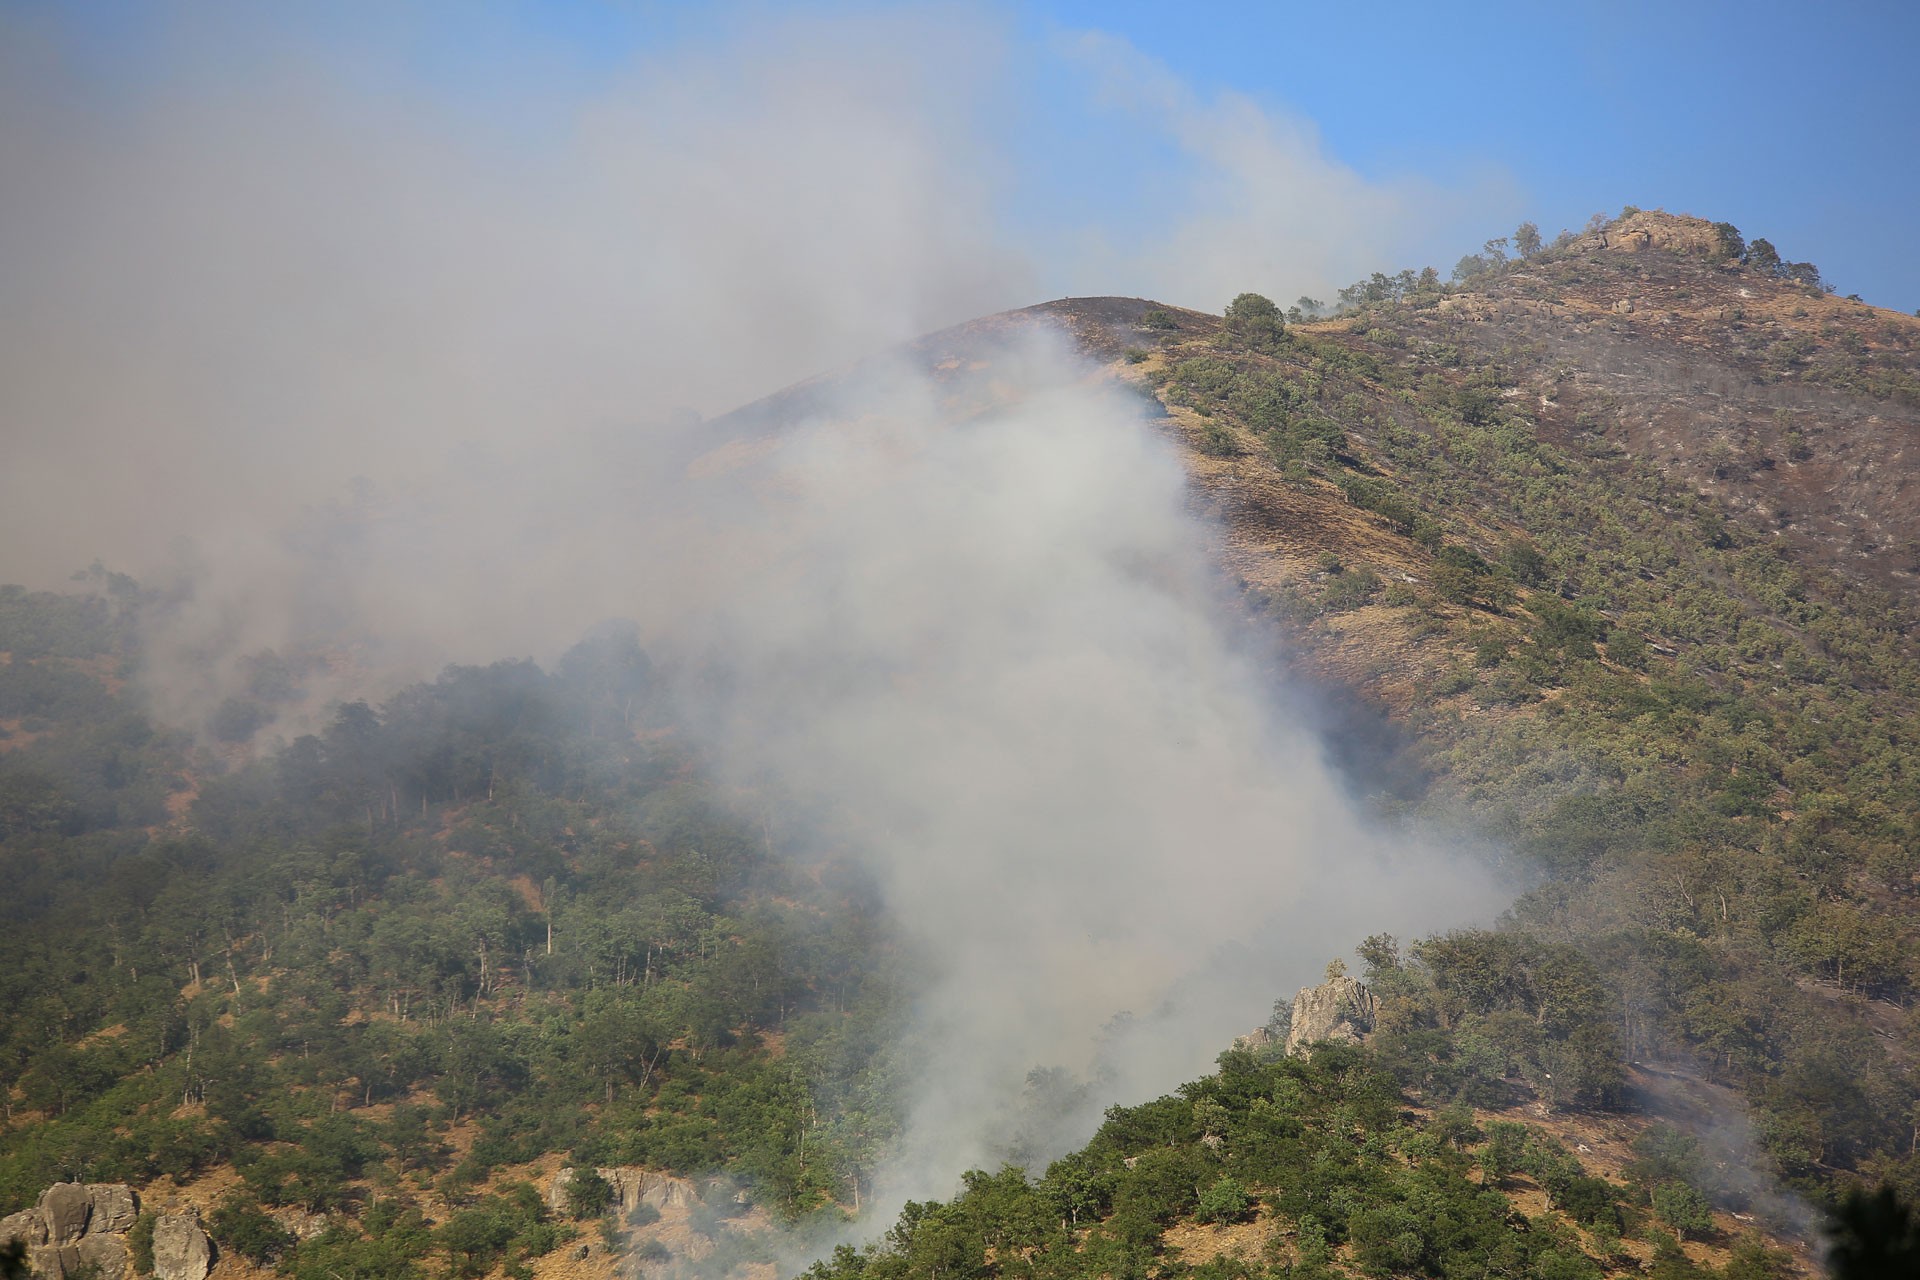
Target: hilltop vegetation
1701	735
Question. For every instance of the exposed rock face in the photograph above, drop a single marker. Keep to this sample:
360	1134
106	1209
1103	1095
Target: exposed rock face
112	1208
65	1206
1651	229
105	1253
1256	1039
1262	1039
1340	1009
632	1187
181	1250
75	1227
26	1226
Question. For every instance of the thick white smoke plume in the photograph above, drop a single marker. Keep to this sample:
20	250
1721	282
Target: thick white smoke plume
998	643
359	354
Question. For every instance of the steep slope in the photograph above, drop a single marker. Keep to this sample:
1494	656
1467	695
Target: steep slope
1799	412
1315	1167
1593	636
1603	554
354	1005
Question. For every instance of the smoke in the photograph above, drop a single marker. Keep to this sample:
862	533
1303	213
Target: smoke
1260	205
273	260
356	356
249	256
992	639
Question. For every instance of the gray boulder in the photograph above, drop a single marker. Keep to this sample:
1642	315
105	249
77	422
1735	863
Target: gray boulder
26	1226
76	1229
113	1207
1340	1009
65	1207
105	1253
52	1262
181	1250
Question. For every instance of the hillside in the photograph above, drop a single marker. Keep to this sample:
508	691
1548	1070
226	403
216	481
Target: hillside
1604	554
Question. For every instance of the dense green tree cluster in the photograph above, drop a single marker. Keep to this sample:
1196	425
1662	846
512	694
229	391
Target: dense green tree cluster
489	902
1487	1015
1324	1148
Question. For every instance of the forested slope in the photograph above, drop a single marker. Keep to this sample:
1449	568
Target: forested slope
1575	601
1700	734
502	915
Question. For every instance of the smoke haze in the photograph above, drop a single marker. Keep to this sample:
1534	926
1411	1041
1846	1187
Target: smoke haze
355	357
998	643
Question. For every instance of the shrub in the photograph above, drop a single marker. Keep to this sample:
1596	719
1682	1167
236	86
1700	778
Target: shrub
1217	441
1350	589
588	1194
241	1225
1730	244
140	1243
1225	1201
1505	1151
1255	321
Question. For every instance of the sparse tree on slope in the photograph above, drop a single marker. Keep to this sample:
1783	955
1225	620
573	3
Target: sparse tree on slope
1256	321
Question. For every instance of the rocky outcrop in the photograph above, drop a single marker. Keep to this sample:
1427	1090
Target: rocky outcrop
1652	229
632	1187
181	1250
1340	1009
1258	1039
26	1226
1262	1041
111	1208
65	1207
76	1228
104	1253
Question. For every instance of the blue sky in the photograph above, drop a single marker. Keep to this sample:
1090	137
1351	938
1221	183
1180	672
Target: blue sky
1798	122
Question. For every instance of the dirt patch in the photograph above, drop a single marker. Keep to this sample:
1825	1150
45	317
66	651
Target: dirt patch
1201	1243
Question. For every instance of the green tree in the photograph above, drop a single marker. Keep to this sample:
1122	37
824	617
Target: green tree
1684	1209
1225	1201
242	1226
589	1194
1505	1152
1256	322
1526	239
140	1242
